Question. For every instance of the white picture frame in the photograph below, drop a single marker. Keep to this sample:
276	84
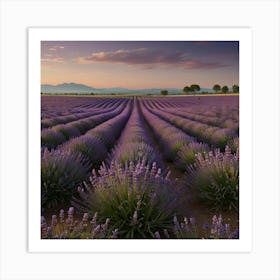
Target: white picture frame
16	262
243	35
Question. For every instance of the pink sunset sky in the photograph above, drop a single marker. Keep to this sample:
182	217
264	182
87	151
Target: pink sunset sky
140	64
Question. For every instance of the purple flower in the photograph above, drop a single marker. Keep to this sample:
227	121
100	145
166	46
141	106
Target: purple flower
166	234
134	218
192	220
49	231
71	211
54	220
85	217
61	214
157	235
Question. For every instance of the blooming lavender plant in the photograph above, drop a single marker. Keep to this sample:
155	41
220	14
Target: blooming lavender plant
51	138
68	131
234	144
187	154
138	199
214	179
61	172
72	228
135	152
92	227
92	149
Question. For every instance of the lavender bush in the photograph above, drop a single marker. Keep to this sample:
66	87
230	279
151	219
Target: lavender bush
68	131
138	199
135	152
214	179
51	138
189	229
187	154
61	172
91	148
234	144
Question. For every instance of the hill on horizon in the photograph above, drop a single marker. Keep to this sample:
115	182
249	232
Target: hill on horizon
81	89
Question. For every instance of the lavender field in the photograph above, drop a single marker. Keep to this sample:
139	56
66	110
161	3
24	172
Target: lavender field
140	167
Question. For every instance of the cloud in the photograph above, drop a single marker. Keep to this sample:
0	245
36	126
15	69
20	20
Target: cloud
55	48
55	60
149	58
197	64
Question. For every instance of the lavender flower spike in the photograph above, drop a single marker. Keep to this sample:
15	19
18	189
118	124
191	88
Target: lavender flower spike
157	235
134	218
71	211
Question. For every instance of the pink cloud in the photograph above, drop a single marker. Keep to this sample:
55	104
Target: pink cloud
55	60
149	58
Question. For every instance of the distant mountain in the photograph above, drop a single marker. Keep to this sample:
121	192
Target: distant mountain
66	88
80	89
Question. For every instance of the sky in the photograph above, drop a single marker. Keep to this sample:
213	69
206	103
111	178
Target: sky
140	64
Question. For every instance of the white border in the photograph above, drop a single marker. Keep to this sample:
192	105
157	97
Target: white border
243	35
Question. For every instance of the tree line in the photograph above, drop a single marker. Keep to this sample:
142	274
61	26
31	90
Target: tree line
195	88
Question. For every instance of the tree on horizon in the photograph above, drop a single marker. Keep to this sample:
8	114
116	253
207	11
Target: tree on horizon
225	89
164	92
195	88
216	88
235	88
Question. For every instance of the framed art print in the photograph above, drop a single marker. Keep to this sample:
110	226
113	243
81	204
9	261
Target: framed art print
139	139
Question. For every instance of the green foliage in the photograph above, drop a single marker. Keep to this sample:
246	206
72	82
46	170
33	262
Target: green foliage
234	144
164	92
187	89
214	180
51	138
61	173
216	88
91	148
188	153
235	88
138	200
91	227
224	89
73	228
134	152
195	88
192	88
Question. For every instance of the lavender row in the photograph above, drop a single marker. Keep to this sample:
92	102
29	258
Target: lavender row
135	143
52	137
64	226
218	137
55	106
65	107
96	143
171	139
211	121
222	108
63	169
51	122
197	113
